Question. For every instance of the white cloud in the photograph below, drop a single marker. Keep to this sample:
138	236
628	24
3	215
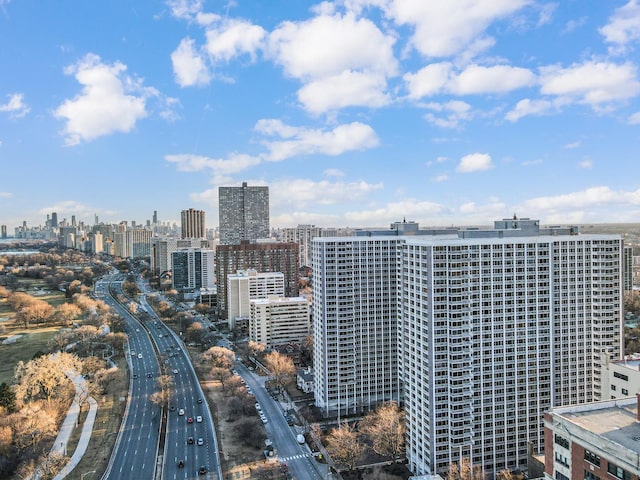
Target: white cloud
586	164
329	45
15	106
5	194
233	38
235	163
189	67
575	144
474	162
526	107
440	178
444	28
623	27
306	192
574	24
429	163
476	79
341	60
110	101
473	80
634	119
347	89
592	82
71	207
302	141
592	197
455	112
333	172
185	9
429	80
409	208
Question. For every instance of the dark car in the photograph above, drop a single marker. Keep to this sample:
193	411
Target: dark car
199	400
190	441
202	470
180	463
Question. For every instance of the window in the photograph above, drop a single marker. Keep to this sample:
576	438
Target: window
560	476
592	458
613	387
625	391
563	442
590	476
621	376
618	472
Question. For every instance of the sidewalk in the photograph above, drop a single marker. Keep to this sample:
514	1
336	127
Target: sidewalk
69	423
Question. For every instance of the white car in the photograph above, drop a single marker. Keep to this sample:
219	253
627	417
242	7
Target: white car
175	370
181	411
200	441
263	418
139	355
199	419
258	407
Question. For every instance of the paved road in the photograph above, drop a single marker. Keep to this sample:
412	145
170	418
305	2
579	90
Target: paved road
135	453
302	465
190	399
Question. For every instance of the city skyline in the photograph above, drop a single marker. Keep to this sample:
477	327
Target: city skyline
354	112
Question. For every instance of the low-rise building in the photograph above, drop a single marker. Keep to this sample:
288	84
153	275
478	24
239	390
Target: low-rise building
620	378
593	441
277	321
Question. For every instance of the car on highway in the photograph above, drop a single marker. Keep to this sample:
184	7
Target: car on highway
181	411
200	442
199	419
180	463
175	370
202	470
190	441
190	420
199	400
139	355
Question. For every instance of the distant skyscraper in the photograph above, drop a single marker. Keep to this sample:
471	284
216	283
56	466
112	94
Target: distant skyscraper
155	217
95	219
4	231
54	220
193	225
244	213
73	220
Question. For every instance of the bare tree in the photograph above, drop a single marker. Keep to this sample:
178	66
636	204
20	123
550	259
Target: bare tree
464	470
254	349
133	308
43	377
66	313
220	374
505	474
218	357
344	446
281	368
385	428
36	312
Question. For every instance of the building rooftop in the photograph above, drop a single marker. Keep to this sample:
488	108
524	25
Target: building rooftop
614	420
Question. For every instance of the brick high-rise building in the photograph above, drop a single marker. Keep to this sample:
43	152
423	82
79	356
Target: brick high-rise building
193	225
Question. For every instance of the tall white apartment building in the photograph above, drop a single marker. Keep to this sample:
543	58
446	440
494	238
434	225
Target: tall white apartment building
277	321
302	235
247	285
138	242
243	213
493	328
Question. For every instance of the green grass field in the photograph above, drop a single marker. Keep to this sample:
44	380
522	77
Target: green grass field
24	349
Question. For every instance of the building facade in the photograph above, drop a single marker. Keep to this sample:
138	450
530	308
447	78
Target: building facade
275	321
161	249
193	269
595	441
491	329
247	285
302	235
262	257
193	224
243	213
620	378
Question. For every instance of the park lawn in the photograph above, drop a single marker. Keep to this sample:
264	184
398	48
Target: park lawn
30	343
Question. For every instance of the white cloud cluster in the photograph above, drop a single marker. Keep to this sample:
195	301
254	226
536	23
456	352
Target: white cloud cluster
15	106
623	27
447	28
474	162
189	66
5	195
232	38
302	141
110	101
308	192
601	196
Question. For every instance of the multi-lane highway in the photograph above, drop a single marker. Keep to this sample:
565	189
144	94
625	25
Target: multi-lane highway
190	447
136	449
190	441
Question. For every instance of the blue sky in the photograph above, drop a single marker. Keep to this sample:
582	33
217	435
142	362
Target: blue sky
354	112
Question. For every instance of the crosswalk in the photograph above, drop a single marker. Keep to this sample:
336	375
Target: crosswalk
294	457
